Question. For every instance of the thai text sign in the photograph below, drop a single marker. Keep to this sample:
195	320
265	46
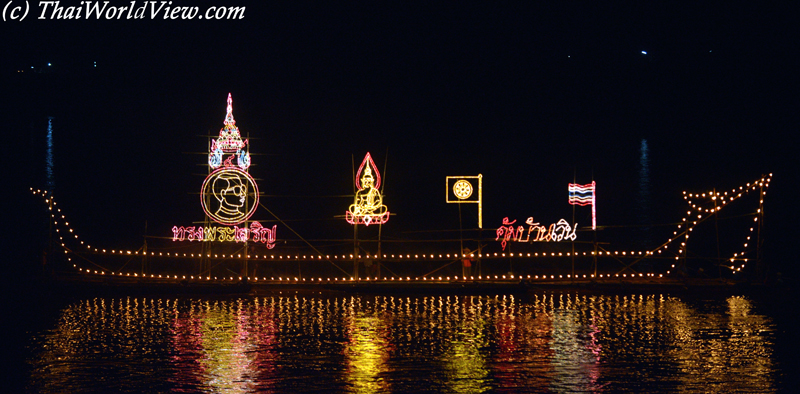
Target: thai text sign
560	231
256	233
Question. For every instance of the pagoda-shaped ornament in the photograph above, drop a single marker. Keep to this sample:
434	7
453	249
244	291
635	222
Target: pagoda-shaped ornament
229	194
229	142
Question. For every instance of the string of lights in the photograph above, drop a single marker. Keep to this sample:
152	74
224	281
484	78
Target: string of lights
697	214
716	201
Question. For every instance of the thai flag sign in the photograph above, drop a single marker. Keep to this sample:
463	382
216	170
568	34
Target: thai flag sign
584	195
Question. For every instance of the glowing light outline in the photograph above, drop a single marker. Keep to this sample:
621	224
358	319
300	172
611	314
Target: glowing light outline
555	232
462	187
713	195
367	219
368	159
243	159
577	197
215	155
230	142
255	233
479	201
241	218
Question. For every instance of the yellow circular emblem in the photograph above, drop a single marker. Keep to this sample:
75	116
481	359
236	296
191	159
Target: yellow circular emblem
229	196
462	189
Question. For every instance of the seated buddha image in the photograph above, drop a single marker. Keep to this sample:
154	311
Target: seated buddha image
368	207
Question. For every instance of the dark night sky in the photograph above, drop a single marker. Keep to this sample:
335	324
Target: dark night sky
527	95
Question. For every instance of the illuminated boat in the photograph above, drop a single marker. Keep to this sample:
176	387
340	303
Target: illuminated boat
669	265
231	253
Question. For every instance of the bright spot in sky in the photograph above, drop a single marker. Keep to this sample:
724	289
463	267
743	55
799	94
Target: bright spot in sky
644	52
49	64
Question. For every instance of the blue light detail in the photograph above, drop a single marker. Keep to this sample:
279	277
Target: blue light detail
243	159
215	158
49	163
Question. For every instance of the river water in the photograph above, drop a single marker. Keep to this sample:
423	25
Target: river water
546	342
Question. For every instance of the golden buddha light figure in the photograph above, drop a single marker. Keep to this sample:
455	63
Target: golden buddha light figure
368	207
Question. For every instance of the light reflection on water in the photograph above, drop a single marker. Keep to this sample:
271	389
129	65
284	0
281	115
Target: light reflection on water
49	161
561	342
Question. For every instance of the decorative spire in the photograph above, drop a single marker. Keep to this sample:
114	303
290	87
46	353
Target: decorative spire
229	122
230	140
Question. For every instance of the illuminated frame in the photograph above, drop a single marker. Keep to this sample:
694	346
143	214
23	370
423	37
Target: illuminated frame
462	190
358	213
220	189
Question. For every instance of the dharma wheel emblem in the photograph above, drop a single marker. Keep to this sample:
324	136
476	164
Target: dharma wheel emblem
462	189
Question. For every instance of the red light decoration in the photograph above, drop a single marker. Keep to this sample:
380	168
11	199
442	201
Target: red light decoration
368	207
556	232
256	233
370	167
584	195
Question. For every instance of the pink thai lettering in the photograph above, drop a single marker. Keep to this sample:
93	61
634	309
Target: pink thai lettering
506	232
263	234
560	231
194	234
178	233
271	236
256	233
